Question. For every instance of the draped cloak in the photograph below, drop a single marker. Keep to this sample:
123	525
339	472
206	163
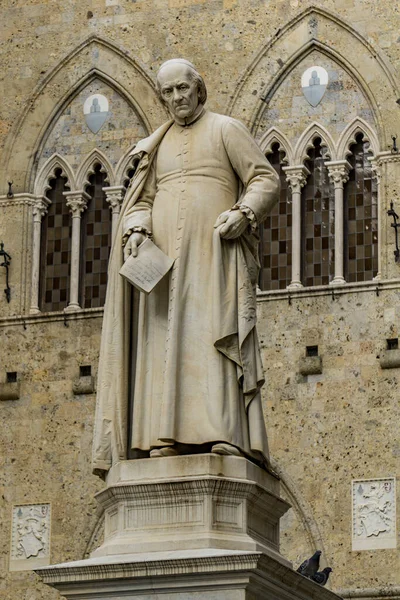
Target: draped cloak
198	369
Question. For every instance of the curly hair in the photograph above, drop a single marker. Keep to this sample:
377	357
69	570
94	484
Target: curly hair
193	74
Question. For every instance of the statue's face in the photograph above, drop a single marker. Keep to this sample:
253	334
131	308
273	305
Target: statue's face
178	91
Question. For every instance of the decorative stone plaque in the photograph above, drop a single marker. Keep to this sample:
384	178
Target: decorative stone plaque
30	537
374	514
95	110
313	83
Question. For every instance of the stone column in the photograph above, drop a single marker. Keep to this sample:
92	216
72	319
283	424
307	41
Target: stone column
114	196
377	170
296	177
338	171
77	203
40	206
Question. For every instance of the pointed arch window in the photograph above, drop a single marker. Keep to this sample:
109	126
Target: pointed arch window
95	242
276	233
361	215
318	220
55	252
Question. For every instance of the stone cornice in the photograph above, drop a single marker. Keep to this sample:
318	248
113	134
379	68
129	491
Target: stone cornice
51	317
262	296
329	290
369	593
386	157
194	488
18	200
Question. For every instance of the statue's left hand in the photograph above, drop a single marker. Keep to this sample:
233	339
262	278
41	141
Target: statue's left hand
233	223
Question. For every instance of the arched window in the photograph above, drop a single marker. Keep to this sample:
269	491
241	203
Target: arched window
95	243
276	234
55	249
317	205
361	216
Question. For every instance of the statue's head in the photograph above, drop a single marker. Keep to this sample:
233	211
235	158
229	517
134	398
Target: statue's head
181	87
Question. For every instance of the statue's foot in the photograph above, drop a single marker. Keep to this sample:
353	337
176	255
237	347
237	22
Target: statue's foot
166	451
226	449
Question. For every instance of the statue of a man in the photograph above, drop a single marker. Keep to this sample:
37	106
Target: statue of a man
200	191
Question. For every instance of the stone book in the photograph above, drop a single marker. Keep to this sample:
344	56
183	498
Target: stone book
146	269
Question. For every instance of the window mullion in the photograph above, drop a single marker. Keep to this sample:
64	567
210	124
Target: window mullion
77	203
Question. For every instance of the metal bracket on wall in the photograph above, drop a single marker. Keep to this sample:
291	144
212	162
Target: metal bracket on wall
395	224
6	264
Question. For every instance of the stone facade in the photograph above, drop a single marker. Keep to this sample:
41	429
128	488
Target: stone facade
325	429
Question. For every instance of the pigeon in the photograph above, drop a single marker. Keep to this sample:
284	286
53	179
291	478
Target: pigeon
322	576
310	566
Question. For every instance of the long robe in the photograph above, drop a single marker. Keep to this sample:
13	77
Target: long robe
198	373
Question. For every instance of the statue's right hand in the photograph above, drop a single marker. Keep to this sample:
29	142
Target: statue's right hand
133	243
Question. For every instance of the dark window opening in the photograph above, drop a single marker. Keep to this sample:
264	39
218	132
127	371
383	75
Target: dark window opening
361	216
11	377
317	220
95	243
311	350
55	249
85	371
392	344
276	233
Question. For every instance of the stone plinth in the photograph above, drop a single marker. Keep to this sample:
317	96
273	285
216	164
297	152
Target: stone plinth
191	502
186	575
187	528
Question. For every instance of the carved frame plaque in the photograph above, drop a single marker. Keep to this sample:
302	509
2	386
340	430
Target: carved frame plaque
374	513
30	536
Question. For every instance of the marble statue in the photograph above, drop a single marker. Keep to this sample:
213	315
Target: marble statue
200	191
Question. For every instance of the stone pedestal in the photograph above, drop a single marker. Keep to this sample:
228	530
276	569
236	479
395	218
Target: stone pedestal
196	575
191	502
187	528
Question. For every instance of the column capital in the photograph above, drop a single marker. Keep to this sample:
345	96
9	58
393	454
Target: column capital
39	207
296	177
338	171
114	196
77	201
376	166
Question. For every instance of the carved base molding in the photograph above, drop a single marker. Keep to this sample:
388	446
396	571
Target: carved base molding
185	575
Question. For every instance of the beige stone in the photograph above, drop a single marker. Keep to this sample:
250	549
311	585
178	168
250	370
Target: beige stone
250	53
201	188
190	502
201	575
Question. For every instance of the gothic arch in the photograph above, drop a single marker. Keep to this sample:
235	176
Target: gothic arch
87	168
272	136
47	172
93	58
348	137
318	29
305	142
